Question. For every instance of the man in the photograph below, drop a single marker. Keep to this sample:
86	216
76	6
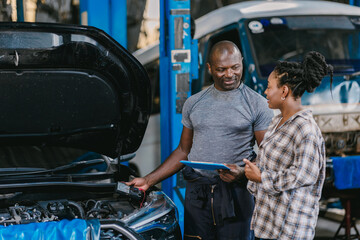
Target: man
221	124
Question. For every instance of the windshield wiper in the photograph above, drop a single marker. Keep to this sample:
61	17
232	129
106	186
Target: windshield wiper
62	169
350	76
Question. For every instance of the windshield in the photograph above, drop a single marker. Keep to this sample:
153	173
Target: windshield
289	38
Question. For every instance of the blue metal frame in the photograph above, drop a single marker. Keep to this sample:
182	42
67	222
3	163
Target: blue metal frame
253	79
20	10
108	15
354	2
178	66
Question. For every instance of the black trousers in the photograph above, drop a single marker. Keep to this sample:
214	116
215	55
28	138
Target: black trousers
203	209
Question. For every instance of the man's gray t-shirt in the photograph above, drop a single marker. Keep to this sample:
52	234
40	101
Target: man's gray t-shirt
223	124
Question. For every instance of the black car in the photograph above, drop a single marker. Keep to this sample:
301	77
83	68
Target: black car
74	104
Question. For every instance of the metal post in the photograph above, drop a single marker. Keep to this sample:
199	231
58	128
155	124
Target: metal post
347	218
118	21
354	2
20	10
96	13
176	65
108	15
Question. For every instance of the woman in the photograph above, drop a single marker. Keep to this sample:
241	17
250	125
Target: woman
290	170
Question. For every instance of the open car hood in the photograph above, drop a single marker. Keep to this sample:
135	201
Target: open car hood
73	86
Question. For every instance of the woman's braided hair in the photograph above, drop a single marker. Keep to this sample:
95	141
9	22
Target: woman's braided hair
303	76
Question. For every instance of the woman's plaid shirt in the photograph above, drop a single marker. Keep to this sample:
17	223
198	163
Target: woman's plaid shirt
292	164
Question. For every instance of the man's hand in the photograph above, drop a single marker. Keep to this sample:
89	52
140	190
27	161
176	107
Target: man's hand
252	172
230	175
140	183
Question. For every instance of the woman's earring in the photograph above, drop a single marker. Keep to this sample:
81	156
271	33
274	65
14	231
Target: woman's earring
283	98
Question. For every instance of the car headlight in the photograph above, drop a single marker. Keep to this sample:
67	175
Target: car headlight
164	228
156	219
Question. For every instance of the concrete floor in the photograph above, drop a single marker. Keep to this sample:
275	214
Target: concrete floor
326	228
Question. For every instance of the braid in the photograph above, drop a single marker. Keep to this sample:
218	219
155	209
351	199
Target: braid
291	74
303	76
315	68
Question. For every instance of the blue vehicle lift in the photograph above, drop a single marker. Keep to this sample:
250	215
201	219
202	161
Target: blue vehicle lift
20	10
354	2
108	15
178	66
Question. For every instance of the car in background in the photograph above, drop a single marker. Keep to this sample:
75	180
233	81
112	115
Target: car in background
74	105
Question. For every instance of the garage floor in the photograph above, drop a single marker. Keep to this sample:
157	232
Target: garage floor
326	228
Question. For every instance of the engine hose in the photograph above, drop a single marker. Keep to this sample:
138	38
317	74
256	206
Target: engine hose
78	207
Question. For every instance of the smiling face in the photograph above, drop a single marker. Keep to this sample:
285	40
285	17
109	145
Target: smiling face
226	68
274	92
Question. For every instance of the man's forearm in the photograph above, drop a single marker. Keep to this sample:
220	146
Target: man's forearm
168	168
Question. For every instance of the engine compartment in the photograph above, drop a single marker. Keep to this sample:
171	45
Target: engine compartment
119	216
56	210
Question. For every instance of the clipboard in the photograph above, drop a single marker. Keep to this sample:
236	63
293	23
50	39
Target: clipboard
204	165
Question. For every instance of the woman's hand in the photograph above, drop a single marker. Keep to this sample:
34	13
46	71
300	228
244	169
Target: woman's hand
252	172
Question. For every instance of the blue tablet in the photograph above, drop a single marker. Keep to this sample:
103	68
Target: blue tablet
205	165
